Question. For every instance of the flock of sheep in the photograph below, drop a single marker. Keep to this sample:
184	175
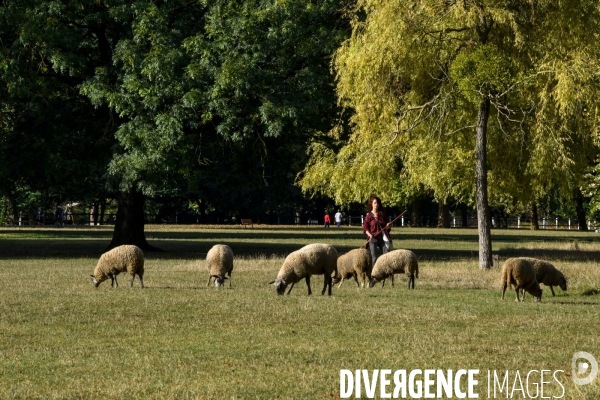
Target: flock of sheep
524	274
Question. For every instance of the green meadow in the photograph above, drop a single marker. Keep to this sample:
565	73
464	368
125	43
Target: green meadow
178	339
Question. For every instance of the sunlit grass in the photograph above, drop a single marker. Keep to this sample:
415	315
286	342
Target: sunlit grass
179	339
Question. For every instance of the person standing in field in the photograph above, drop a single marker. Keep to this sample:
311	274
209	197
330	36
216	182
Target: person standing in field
338	218
376	228
327	221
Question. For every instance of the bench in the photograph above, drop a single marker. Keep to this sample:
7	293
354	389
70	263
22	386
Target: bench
313	222
245	222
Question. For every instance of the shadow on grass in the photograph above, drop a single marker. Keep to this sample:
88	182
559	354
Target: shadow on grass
190	249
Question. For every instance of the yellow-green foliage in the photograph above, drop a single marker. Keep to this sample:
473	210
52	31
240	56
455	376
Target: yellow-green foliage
413	73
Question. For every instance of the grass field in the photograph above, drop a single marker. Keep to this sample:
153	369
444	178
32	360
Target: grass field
178	339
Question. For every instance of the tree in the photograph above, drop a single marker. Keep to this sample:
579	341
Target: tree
53	144
429	82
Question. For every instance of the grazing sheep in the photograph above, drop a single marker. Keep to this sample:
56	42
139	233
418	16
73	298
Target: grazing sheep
547	274
219	261
395	262
313	259
356	263
126	258
520	273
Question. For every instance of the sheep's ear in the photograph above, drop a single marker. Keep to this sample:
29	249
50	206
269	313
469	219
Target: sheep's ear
225	278
272	282
215	276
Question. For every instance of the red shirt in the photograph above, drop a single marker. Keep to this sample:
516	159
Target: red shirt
327	218
372	226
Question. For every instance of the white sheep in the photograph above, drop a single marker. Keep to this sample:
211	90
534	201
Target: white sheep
547	274
520	273
395	262
354	264
126	258
313	259
219	261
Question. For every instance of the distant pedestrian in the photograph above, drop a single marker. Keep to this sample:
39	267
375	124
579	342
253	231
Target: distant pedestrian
327	221
59	216
338	218
39	217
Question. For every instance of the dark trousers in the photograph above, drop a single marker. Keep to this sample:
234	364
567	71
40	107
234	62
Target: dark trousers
373	244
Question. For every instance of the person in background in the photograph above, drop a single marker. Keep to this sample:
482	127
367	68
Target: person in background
39	217
327	221
376	228
59	216
338	218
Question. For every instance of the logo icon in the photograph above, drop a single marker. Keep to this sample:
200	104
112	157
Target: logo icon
580	368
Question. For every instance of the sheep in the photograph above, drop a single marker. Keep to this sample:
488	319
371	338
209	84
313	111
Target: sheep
520	273
356	263
547	274
126	258
395	262
219	261
313	259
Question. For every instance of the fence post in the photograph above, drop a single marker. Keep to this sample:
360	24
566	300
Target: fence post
518	222
403	220
557	223
454	222
569	223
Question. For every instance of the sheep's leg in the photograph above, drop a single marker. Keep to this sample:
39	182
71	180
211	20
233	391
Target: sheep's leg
141	279
291	287
392	276
229	275
504	285
308	285
383	283
327	284
552	290
356	279
132	279
342	281
411	279
209	278
518	297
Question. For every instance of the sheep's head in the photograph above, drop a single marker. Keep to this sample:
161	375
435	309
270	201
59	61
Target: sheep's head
563	283
537	294
374	279
219	280
280	285
94	281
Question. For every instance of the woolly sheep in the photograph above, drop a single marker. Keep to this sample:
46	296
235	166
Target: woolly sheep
219	261
547	274
395	262
313	259
126	258
520	273
356	263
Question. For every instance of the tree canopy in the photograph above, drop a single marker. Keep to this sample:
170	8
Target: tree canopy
429	82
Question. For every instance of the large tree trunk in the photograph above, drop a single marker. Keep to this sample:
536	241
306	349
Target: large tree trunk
483	211
129	225
534	217
443	215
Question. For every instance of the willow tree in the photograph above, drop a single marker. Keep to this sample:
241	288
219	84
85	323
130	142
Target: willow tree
435	84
